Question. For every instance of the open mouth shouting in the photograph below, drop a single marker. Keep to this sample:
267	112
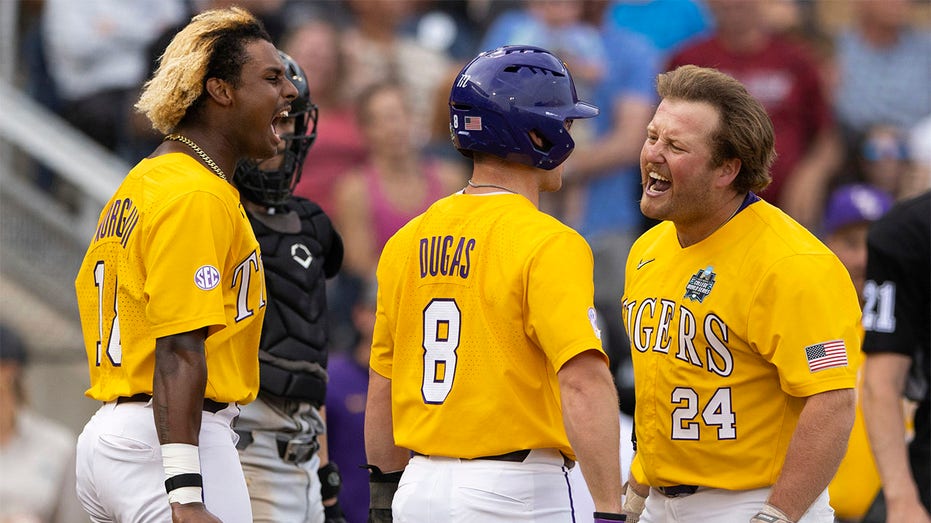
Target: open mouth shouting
274	124
655	183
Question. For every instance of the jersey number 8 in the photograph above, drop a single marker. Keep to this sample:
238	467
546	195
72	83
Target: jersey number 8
441	324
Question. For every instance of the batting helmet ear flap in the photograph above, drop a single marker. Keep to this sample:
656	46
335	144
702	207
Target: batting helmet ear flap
502	95
539	141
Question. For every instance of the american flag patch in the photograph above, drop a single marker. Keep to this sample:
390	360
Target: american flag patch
826	355
473	123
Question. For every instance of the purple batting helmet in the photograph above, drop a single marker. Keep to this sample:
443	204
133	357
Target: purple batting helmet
503	94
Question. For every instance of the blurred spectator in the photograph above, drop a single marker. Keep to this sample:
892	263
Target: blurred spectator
849	212
668	24
396	183
444	26
269	12
440	144
884	159
557	26
606	169
345	407
97	56
317	48
377	51
884	67
298	12
919	147
36	453
784	76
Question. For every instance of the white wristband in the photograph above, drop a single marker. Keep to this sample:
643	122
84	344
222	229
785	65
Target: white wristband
177	459
185	495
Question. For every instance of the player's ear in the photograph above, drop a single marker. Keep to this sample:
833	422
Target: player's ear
728	171
219	90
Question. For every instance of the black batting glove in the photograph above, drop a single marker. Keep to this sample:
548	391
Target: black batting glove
381	493
330	481
333	514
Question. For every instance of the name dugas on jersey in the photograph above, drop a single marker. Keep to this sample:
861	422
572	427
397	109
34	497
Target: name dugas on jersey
446	256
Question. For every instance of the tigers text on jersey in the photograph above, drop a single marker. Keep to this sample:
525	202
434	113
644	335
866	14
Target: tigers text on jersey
728	337
173	252
481	300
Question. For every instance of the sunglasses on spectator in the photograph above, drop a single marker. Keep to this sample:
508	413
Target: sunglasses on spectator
874	150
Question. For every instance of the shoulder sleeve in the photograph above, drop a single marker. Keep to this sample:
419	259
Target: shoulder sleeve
188	242
802	302
560	298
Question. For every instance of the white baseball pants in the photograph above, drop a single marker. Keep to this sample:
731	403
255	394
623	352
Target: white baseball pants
722	506
484	491
119	469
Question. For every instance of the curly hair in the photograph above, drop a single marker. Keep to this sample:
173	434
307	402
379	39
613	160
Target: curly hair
745	130
212	45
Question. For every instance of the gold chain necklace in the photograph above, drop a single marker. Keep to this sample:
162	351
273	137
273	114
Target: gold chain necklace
200	152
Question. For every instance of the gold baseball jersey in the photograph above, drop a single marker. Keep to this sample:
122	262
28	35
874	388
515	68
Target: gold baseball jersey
481	300
728	338
173	252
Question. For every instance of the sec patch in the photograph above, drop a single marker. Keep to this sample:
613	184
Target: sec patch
207	277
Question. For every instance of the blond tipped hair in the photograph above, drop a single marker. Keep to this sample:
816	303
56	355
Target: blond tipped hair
179	80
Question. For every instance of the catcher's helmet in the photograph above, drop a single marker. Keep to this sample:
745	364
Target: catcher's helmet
503	94
273	188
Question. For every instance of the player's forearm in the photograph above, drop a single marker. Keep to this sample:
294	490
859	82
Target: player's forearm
591	414
885	425
816	449
380	449
883	386
178	386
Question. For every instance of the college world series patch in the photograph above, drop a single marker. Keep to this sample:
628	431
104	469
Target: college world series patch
700	284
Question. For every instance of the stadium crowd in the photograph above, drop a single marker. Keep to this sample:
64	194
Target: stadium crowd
846	84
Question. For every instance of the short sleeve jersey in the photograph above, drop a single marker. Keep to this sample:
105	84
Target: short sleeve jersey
173	252
481	300
728	338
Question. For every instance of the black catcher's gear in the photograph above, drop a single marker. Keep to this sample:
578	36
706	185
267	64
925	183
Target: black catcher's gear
293	350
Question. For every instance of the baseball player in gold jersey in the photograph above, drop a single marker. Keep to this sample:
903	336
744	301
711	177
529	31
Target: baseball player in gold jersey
486	360
742	324
171	291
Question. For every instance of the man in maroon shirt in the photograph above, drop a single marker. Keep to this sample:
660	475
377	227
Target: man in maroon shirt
784	76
